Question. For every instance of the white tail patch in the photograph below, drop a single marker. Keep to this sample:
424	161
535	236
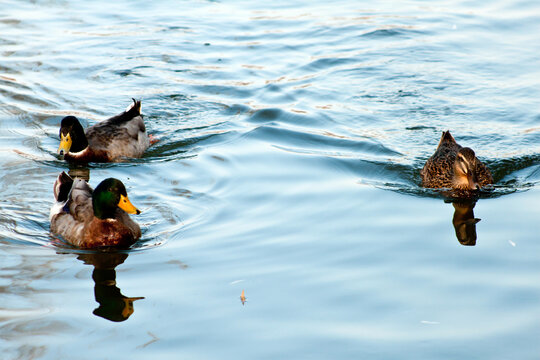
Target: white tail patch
132	105
56	209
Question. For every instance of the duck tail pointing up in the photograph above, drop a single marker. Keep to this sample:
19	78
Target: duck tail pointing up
134	108
62	186
447	137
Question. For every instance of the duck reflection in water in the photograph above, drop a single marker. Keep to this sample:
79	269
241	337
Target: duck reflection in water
113	305
464	221
79	172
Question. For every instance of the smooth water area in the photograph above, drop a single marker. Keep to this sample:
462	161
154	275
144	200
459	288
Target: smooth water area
291	135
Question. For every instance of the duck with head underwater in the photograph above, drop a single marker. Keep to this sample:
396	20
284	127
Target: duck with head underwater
121	136
455	167
93	218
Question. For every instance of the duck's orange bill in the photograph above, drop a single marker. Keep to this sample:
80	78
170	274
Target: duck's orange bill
65	144
127	206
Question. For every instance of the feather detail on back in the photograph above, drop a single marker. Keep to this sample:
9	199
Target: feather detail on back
123	135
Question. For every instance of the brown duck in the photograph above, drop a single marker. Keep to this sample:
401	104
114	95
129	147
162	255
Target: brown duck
456	167
121	136
93	218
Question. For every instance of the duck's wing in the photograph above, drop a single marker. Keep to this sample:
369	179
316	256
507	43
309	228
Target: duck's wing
72	212
121	135
73	198
79	204
483	175
438	170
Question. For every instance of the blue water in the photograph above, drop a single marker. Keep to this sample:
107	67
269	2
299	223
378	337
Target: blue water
291	136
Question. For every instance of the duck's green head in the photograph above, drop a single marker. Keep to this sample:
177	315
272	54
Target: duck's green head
109	195
72	137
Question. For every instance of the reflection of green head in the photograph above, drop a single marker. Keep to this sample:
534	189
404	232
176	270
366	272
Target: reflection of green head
109	195
113	305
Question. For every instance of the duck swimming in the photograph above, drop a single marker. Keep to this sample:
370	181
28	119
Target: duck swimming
93	218
121	136
454	166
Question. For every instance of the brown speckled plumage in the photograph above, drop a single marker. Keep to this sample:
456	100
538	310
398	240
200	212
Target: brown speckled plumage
453	166
73	218
121	136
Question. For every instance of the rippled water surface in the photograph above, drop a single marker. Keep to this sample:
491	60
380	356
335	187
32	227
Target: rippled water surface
291	135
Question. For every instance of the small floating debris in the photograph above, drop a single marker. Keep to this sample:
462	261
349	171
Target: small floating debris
243	297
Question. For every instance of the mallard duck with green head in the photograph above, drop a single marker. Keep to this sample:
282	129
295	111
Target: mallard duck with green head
93	218
456	167
121	136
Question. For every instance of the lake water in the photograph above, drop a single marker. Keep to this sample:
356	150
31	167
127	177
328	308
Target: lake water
291	135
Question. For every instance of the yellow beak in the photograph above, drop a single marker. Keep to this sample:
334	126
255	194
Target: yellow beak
65	144
128	306
127	206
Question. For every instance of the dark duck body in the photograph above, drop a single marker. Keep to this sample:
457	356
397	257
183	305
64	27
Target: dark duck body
93	218
121	136
455	167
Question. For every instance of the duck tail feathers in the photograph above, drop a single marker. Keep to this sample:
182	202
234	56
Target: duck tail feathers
132	111
62	187
447	137
135	108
